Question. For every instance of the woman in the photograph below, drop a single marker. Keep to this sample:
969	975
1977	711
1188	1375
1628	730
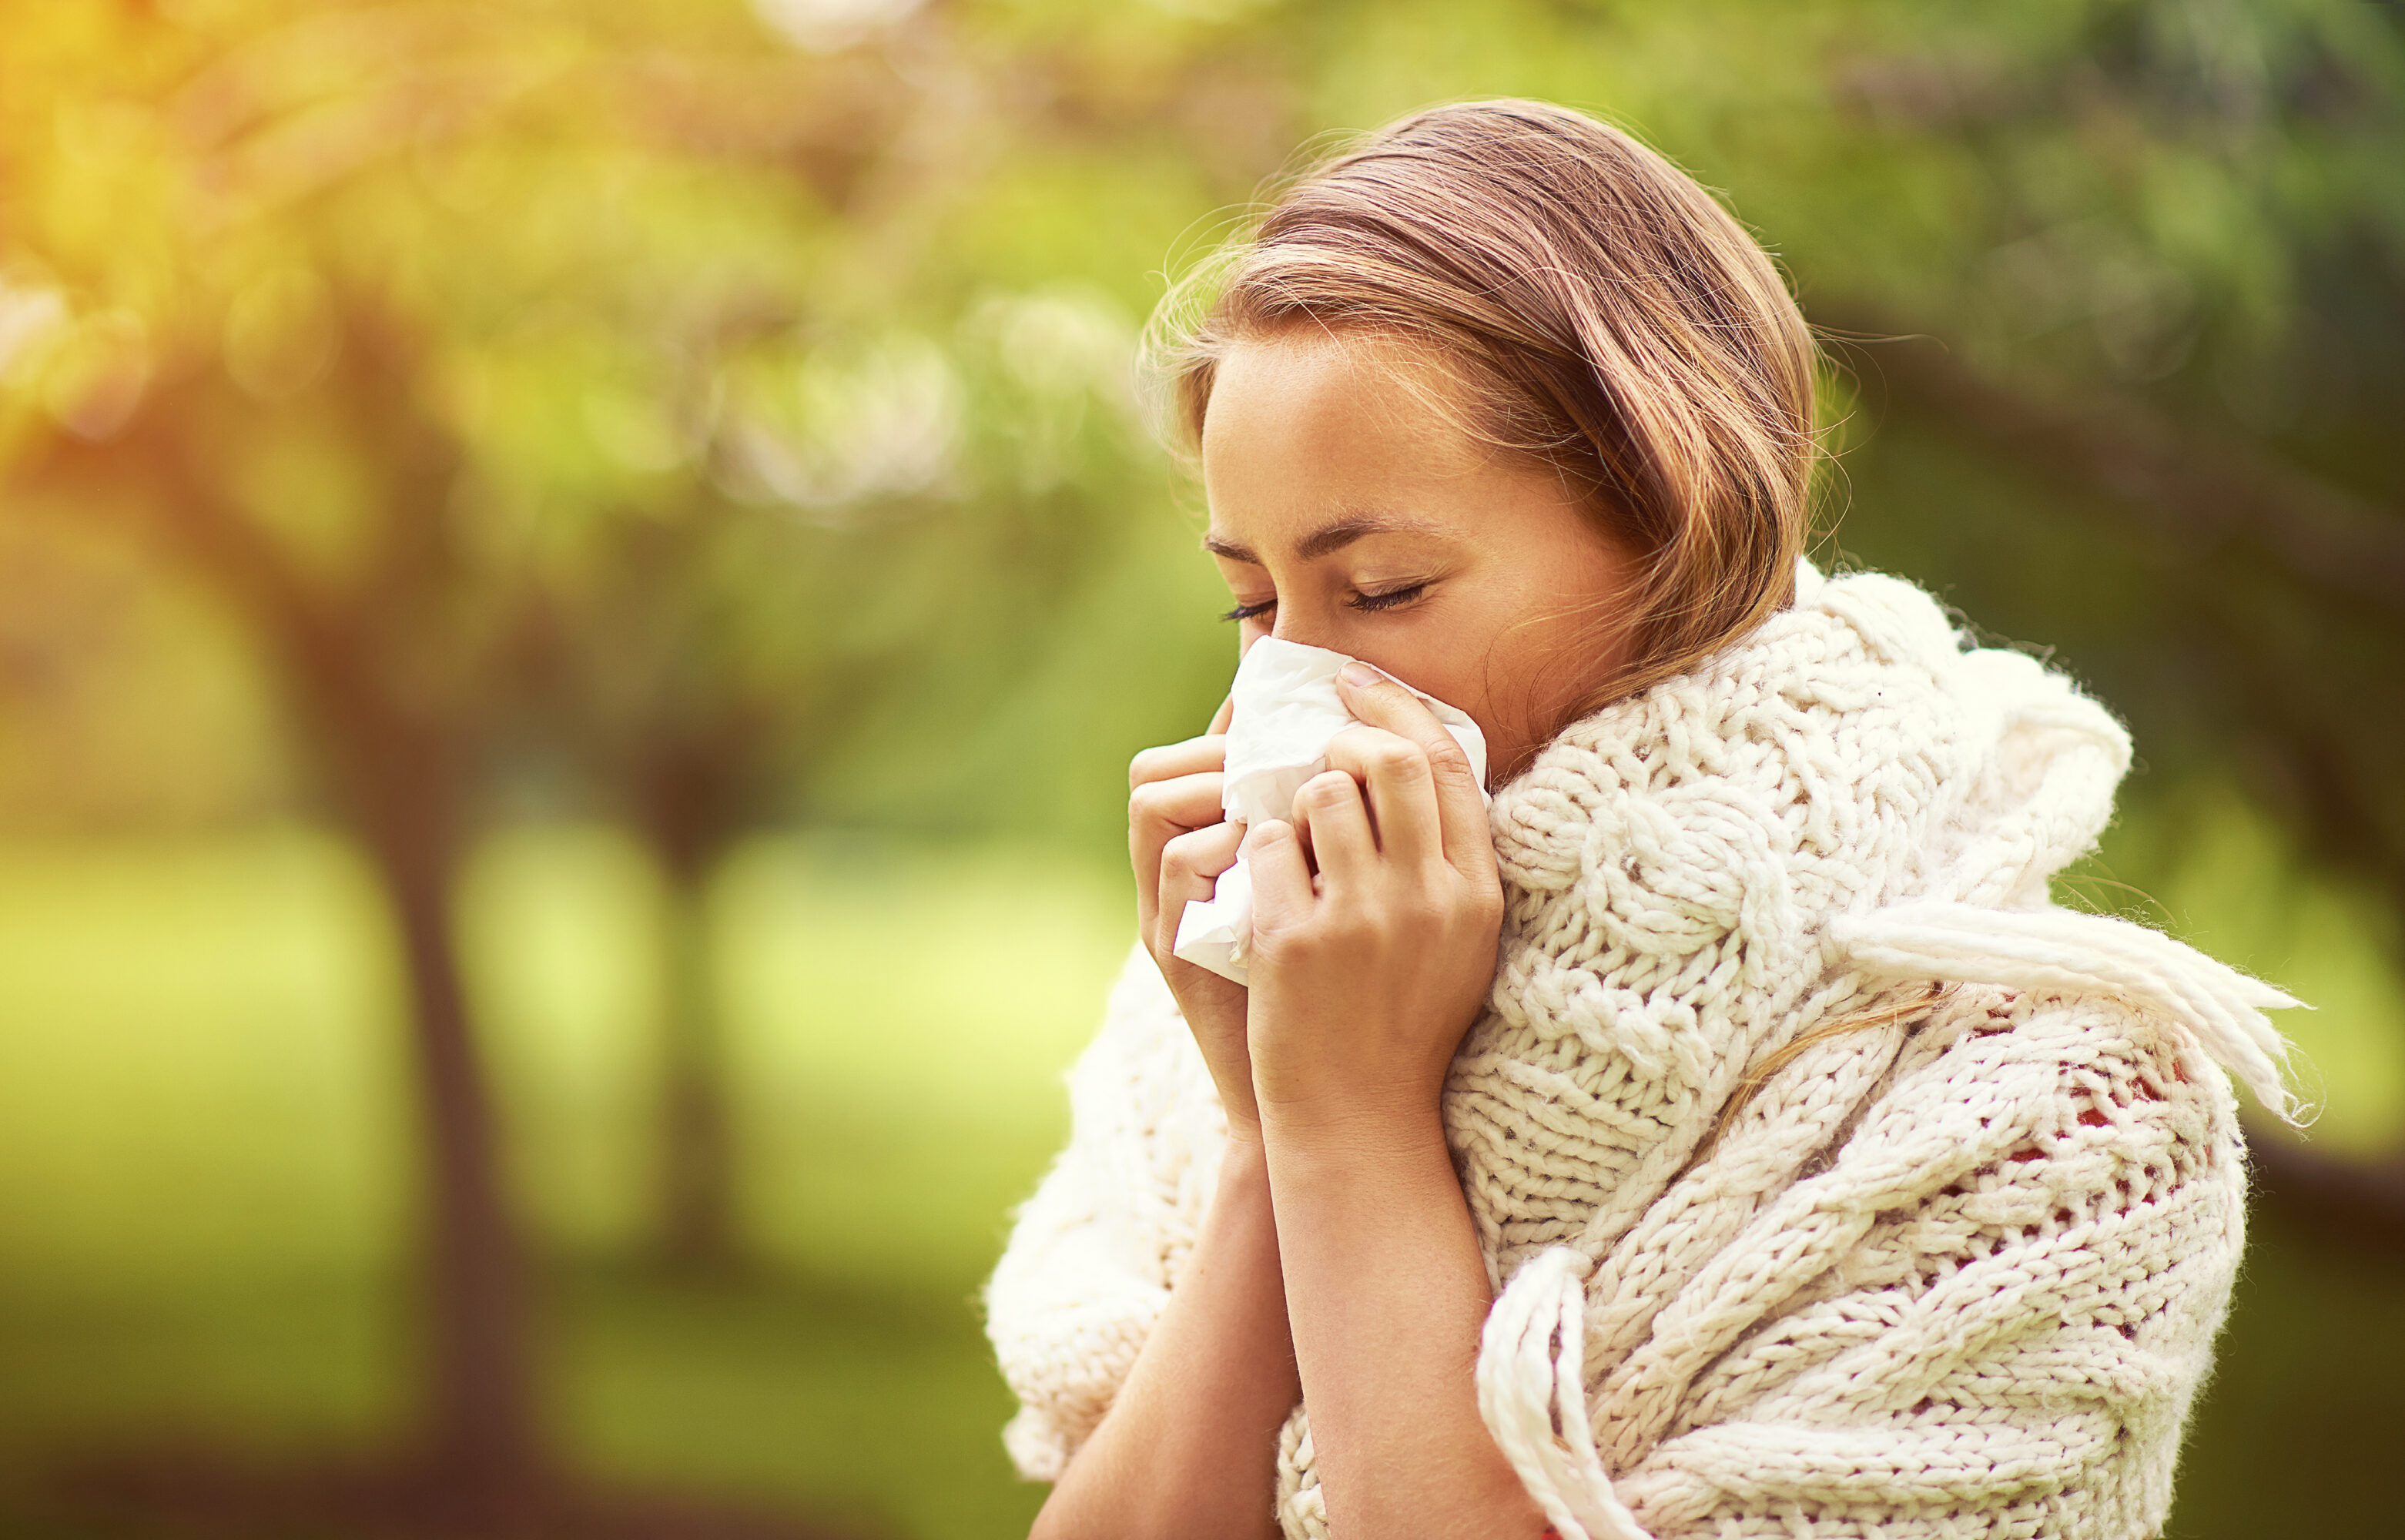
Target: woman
1719	1133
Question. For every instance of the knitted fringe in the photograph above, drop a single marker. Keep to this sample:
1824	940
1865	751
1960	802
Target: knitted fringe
2059	949
1527	1387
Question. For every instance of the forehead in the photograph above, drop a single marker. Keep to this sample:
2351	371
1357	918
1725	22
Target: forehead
1303	426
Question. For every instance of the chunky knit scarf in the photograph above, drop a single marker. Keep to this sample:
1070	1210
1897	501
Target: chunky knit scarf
1955	1271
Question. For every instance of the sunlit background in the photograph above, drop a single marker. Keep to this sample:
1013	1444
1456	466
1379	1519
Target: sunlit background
577	581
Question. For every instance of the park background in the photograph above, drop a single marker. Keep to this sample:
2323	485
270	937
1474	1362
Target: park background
577	581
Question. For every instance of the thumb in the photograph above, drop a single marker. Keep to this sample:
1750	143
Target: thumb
1382	700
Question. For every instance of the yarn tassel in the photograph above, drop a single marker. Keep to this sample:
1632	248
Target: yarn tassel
2060	950
1526	1389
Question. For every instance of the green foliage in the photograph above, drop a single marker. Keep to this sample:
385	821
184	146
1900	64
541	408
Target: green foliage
607	376
762	380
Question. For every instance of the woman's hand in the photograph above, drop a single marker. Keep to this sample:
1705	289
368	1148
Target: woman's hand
1375	924
1179	843
1367	971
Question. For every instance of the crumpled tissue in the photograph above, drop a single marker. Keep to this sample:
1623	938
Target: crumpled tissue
1286	712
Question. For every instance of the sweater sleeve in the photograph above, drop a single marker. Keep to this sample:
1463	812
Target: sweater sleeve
1093	1256
1986	1315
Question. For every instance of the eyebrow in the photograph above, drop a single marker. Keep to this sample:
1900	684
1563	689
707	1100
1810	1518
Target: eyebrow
1327	538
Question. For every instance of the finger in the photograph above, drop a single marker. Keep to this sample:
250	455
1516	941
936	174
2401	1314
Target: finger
1403	813
1186	801
1341	843
1222	717
1282	895
1461	802
1158	812
1171	760
1190	866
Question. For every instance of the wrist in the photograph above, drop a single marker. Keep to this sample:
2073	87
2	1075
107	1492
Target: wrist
1403	1123
1350	1183
1244	1181
1347	1076
1244	1143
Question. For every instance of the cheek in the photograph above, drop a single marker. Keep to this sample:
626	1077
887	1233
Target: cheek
1434	663
1534	672
1456	671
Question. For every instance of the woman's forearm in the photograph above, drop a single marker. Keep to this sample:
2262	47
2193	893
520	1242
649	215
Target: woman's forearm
1189	1446
1388	1294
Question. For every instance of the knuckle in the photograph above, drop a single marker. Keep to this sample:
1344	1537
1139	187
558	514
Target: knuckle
1448	758
1184	852
1328	789
1207	850
1398	756
1292	941
1354	929
1166	761
1485	905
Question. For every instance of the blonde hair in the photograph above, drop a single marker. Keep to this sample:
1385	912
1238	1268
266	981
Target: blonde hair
1794	1048
1607	316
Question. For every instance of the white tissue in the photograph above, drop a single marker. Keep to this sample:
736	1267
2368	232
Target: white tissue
1285	711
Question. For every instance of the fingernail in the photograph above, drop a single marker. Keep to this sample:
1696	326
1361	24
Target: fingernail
1359	674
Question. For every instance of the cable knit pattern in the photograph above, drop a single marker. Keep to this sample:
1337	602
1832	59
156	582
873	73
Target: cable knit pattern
1957	1273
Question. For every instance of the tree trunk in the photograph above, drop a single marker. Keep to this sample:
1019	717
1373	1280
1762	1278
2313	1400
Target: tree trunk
696	1228
480	1402
398	773
682	793
481	1440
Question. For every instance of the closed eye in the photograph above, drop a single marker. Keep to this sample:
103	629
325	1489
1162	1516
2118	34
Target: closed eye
1248	611
1391	598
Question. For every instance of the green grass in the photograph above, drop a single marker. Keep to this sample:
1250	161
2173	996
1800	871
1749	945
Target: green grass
204	1193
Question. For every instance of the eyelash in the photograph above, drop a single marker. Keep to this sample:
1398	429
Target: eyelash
1367	603
1392	598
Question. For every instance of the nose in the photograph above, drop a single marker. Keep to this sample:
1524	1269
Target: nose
1307	630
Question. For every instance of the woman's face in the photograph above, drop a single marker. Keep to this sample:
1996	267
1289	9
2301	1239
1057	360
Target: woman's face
1348	512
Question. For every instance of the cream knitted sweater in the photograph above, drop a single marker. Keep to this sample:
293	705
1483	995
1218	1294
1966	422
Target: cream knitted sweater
1958	1274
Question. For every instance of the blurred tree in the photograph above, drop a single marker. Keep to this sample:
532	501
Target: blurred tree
500	370
715	661
109	668
2172	277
